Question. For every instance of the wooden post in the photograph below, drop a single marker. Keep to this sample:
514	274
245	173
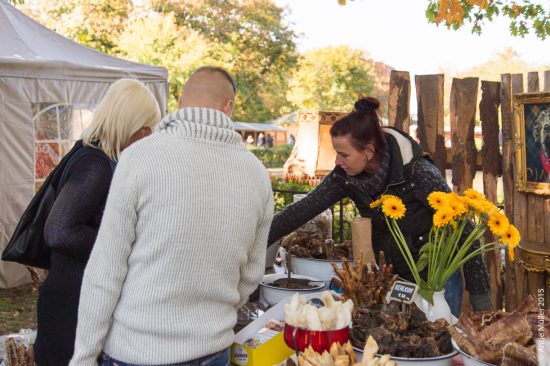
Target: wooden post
463	113
463	105
535	221
547	80
488	114
533	81
535	203
508	180
430	132
520	198
399	100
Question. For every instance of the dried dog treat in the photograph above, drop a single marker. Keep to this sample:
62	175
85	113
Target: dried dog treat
400	332
334	315
502	338
365	284
18	354
343	356
315	245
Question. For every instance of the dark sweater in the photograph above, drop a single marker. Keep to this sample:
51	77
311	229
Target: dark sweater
70	231
412	182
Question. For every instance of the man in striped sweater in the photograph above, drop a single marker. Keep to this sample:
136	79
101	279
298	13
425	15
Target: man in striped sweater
182	241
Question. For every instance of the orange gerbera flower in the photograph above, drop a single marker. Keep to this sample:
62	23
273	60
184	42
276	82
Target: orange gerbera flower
511	238
443	216
498	223
381	200
437	200
456	204
393	207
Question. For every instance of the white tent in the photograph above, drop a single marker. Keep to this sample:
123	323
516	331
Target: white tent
49	86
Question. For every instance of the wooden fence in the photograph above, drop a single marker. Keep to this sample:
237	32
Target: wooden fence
530	213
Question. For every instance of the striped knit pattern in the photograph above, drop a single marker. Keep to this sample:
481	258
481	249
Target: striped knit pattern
181	245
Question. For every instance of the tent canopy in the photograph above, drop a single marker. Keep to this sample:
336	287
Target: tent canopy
49	87
32	50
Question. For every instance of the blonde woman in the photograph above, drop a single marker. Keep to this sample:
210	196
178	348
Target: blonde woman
127	113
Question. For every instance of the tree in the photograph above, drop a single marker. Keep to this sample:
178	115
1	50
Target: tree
524	15
331	79
249	38
254	45
94	23
156	39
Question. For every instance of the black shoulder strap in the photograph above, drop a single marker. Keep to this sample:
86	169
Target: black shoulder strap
70	160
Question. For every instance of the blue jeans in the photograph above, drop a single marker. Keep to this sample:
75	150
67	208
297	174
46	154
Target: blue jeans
453	293
216	359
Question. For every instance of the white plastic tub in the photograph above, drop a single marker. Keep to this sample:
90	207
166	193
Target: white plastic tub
312	267
445	360
273	295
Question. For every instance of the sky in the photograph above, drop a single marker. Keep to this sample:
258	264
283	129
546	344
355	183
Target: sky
397	33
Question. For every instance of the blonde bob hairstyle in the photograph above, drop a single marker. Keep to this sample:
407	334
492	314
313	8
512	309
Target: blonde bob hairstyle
127	107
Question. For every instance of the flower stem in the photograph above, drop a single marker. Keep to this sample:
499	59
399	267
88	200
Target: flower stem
403	248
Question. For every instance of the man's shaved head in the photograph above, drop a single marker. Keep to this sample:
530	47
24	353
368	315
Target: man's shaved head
209	87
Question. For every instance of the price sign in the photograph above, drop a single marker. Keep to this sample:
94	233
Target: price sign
403	291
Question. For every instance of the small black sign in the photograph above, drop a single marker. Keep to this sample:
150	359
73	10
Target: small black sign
403	291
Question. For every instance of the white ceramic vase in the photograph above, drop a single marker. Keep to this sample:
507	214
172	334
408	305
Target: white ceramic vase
439	309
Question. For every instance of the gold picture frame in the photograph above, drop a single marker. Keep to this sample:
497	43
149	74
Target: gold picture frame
532	142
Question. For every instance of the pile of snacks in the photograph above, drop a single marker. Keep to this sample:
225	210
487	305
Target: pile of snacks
401	332
332	316
503	338
320	225
18	354
343	356
315	245
365	284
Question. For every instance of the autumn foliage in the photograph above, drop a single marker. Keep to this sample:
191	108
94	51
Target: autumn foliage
524	15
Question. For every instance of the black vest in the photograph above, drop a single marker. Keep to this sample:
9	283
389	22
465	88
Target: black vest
416	223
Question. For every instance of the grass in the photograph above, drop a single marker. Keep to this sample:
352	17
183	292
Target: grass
18	308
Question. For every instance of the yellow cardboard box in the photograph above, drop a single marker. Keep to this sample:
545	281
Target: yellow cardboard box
267	347
256	345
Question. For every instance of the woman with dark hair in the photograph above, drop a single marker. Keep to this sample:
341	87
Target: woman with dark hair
372	160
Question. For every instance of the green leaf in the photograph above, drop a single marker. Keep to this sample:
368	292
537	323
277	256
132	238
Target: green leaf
425	248
422	262
431	11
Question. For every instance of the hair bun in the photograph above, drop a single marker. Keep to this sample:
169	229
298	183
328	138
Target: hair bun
366	104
